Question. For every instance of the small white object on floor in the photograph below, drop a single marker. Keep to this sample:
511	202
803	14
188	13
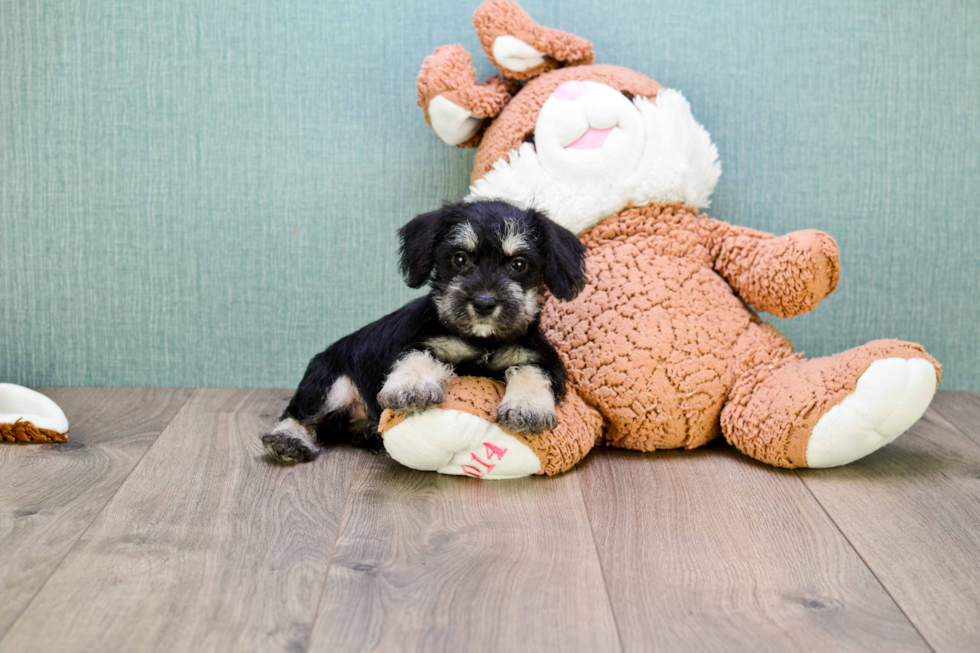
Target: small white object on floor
20	404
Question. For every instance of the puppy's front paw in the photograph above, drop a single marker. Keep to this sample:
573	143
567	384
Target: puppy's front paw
412	398
417	381
525	418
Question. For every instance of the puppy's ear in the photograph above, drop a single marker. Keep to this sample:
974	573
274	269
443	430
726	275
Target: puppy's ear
419	238
564	269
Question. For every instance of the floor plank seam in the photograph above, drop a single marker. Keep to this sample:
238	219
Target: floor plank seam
866	564
333	551
95	518
956	427
602	571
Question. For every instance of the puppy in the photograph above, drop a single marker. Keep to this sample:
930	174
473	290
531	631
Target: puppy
488	263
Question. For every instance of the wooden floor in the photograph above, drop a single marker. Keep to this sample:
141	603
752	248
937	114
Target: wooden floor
162	526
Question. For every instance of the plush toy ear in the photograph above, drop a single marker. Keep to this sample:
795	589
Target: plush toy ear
564	272
521	48
419	239
456	106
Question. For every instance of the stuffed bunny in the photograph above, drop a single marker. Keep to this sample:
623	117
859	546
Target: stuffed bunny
662	347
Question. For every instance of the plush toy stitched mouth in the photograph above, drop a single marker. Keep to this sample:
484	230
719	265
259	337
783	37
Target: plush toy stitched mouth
591	139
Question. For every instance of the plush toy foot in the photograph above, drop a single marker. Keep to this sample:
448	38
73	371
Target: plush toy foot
890	397
459	443
290	443
460	436
824	412
29	416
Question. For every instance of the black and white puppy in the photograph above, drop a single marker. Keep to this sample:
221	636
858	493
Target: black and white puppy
488	263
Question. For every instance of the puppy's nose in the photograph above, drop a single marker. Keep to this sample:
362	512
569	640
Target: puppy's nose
484	304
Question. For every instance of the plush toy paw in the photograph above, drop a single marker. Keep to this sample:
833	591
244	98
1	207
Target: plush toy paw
525	418
891	396
290	443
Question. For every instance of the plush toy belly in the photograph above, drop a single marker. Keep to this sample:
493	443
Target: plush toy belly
652	339
461	437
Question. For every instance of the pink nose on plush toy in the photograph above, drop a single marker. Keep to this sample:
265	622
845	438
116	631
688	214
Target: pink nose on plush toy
571	90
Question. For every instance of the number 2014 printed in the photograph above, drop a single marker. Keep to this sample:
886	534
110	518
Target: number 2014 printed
478	468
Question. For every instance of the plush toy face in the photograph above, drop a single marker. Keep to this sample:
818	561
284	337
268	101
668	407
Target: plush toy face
581	142
587	133
593	151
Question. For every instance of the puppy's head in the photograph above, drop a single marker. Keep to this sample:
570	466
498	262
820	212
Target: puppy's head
488	263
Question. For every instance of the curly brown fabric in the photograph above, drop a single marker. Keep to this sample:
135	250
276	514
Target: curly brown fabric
651	338
26	432
784	276
496	18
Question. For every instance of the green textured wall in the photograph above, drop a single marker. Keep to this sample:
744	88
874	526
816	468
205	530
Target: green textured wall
205	193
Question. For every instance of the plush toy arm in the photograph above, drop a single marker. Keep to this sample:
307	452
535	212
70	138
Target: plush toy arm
786	275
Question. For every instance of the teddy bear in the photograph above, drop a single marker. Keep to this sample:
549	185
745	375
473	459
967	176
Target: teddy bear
664	347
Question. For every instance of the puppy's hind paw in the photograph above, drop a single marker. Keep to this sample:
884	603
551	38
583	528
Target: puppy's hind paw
289	450
523	419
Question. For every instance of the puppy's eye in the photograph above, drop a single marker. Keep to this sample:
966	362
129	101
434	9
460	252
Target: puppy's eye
460	260
518	265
